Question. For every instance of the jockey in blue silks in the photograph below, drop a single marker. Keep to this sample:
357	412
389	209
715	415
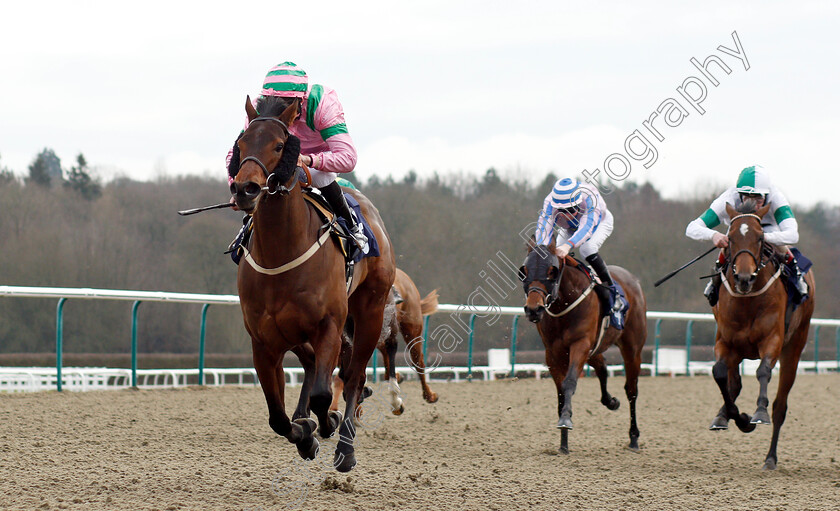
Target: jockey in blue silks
583	221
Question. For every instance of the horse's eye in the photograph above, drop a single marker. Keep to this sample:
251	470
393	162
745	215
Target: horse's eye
278	147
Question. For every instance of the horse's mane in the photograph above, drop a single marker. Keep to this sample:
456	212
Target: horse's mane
748	206
272	106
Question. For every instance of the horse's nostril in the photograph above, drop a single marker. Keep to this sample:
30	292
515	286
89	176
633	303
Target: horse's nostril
252	188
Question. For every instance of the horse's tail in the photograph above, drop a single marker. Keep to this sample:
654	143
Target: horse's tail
429	304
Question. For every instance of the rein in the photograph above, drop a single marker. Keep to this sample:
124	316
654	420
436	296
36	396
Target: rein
554	295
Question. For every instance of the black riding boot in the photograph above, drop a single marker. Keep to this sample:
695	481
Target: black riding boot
712	290
600	268
332	192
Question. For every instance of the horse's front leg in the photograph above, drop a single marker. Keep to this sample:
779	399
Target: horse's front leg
326	346
306	355
578	353
558	366
600	366
299	432
721	421
726	362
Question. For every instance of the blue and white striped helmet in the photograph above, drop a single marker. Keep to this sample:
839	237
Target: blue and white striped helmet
567	194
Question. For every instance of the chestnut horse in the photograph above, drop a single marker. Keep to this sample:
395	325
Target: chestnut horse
405	318
750	319
292	286
570	317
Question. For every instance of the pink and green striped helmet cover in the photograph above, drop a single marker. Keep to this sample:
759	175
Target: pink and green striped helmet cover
286	80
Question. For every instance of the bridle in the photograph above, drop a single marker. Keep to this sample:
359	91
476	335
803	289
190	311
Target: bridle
760	261
271	185
550	298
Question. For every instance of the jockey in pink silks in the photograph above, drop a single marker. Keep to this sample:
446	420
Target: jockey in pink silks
325	144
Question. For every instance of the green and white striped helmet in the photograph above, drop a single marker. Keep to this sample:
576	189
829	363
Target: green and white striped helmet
753	180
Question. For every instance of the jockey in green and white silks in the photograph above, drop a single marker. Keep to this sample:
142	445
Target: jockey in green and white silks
780	226
583	221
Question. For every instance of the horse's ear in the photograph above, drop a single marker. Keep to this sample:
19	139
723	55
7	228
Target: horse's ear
731	211
250	110
763	210
290	113
531	244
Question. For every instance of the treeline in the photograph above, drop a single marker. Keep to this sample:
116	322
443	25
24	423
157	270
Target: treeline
448	233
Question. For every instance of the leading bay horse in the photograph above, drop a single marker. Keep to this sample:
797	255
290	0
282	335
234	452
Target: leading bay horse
569	318
750	316
292	286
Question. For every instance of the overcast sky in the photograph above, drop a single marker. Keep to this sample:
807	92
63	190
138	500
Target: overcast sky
152	88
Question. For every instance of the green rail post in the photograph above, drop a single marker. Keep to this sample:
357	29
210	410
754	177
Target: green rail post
513	347
134	343
689	332
59	341
837	346
374	364
425	338
817	349
656	335
201	344
470	348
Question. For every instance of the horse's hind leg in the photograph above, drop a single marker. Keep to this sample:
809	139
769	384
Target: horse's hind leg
787	374
301	431
632	368
600	366
397	407
763	373
412	335
367	311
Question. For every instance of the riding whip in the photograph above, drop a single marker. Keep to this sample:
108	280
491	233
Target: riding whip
205	208
681	268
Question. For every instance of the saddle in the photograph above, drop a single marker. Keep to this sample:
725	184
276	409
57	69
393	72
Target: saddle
333	223
605	295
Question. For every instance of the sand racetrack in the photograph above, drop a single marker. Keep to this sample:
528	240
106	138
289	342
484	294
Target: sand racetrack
484	445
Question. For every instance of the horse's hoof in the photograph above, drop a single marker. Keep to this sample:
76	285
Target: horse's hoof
634	444
307	425
399	411
366	393
761	417
719	424
612	404
564	424
769	464
328	429
431	398
344	462
744	424
308	448
564	450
